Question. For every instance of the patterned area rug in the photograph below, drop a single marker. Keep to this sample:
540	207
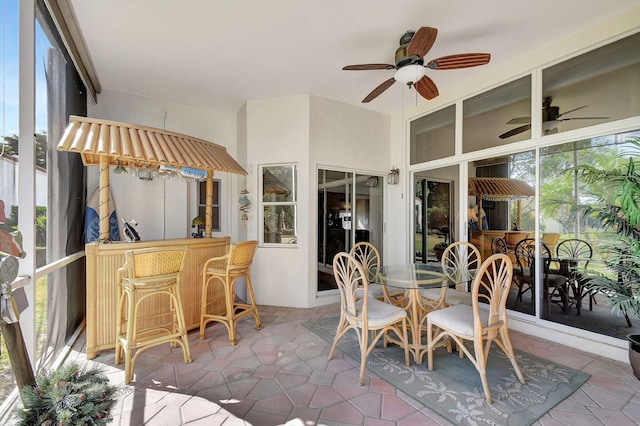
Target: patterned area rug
454	390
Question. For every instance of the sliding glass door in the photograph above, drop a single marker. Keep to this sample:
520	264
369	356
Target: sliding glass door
349	211
433	204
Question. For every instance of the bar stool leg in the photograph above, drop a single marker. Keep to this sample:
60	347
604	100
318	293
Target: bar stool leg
254	307
182	327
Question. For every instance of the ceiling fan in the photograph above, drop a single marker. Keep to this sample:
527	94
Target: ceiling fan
549	113
410	67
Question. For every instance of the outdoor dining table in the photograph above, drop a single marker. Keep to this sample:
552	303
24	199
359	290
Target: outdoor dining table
413	277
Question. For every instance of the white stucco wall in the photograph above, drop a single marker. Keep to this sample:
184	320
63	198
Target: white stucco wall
277	132
345	137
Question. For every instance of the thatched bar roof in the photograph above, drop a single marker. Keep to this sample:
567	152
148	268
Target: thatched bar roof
499	189
141	146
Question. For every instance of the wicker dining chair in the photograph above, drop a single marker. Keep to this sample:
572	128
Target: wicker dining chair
369	257
458	259
150	277
498	245
226	270
370	318
525	276
580	253
462	323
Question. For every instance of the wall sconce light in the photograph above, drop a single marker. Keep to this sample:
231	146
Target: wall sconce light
393	177
119	169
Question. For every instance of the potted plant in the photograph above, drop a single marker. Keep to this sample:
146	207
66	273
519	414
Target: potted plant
69	395
616	206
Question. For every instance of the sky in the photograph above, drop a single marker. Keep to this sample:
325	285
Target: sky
9	73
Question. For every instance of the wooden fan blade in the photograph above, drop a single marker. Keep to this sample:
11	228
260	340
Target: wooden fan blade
520	120
364	67
422	41
426	87
515	131
378	90
463	60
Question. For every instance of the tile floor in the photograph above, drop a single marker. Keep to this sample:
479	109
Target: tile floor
280	375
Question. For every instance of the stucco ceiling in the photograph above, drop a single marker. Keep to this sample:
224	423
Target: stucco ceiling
219	54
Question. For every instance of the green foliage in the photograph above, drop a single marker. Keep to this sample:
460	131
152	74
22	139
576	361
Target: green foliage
11	147
616	206
68	395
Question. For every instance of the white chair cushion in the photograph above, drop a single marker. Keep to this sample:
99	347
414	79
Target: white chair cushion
457	318
376	291
381	313
453	296
457	297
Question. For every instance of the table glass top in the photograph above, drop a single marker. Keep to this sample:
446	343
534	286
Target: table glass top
421	275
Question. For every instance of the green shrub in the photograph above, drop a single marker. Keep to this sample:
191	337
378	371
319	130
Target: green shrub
69	395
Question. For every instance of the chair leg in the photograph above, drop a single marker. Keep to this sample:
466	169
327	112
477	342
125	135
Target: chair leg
130	343
119	333
481	366
229	296
203	306
182	326
343	326
254	307
506	346
405	342
364	343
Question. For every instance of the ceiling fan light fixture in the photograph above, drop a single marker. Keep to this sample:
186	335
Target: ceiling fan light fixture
409	74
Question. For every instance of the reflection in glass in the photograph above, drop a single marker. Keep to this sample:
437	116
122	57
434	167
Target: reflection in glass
434	223
597	87
562	192
279	197
349	211
491	116
433	136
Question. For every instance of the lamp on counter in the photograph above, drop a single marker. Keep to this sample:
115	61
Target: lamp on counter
393	177
120	170
197	221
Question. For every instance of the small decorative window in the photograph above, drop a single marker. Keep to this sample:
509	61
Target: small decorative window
279	202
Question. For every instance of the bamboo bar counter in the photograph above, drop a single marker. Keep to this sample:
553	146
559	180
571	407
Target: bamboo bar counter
103	290
107	144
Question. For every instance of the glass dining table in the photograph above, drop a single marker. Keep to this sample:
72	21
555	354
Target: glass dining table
413	277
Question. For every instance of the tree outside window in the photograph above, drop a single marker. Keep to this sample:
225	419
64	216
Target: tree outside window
279	202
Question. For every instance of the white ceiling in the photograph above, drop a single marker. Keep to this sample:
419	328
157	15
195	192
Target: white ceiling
219	54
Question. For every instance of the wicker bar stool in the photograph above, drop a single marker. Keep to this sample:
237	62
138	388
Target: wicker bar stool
226	270
145	318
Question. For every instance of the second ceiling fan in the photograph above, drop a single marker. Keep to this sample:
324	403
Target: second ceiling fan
410	67
549	113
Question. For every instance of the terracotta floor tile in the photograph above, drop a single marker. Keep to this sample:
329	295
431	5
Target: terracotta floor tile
282	375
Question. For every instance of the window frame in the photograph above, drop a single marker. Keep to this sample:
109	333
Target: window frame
263	204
